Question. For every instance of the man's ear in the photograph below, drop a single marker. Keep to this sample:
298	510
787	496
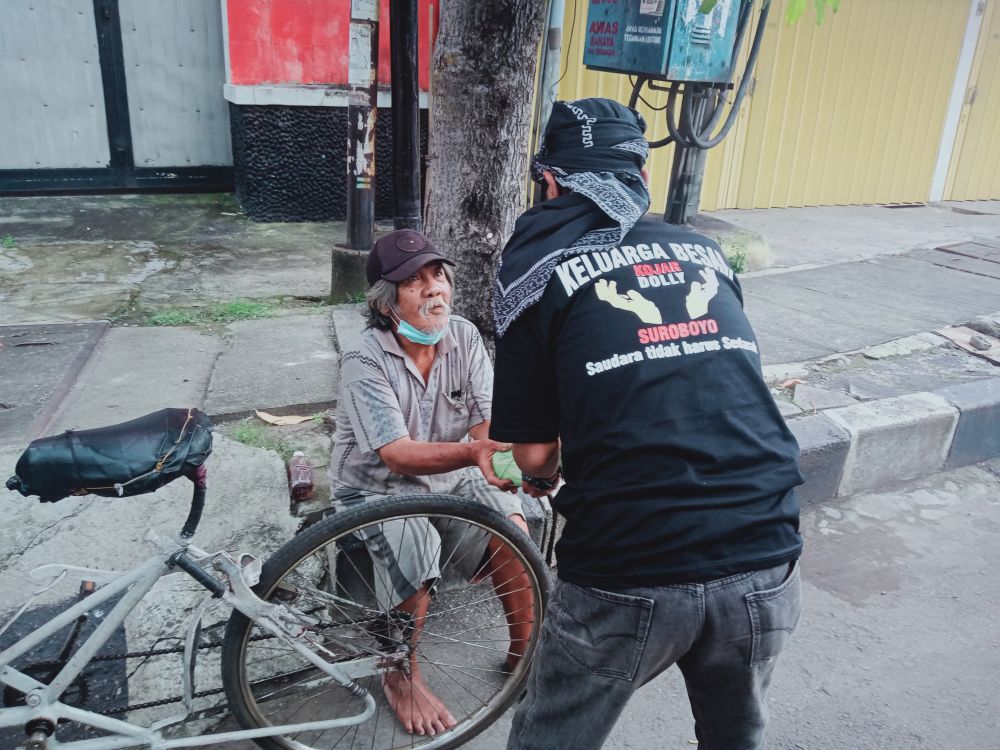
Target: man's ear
551	189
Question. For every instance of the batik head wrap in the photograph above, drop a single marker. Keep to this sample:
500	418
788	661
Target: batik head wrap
596	149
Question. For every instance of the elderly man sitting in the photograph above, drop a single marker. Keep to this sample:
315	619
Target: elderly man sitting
419	384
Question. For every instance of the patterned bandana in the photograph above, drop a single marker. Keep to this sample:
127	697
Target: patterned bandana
596	149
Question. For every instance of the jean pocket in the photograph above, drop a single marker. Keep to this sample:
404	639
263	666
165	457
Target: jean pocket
602	631
774	616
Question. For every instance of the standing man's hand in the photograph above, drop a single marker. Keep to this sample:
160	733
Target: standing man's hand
534	491
483	451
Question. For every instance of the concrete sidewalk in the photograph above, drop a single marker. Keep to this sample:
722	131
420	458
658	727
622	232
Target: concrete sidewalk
846	320
846	279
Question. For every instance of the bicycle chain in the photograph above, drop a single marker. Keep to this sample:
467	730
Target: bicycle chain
152	652
161	702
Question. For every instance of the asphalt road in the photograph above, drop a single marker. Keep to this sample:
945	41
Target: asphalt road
899	646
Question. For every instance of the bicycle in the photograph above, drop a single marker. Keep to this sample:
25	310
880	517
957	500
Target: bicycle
306	643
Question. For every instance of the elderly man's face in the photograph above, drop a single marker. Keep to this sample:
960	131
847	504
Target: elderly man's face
425	298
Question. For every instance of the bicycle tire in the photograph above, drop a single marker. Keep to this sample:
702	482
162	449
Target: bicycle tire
255	700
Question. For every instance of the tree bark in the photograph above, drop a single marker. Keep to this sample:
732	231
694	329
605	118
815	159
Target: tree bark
483	85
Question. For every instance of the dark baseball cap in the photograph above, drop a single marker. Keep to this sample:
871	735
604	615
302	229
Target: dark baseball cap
398	254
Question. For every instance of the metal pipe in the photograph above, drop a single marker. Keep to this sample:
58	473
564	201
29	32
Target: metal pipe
551	58
701	138
405	114
362	111
688	169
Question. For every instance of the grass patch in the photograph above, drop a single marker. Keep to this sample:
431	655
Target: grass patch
8	241
224	312
256	435
738	261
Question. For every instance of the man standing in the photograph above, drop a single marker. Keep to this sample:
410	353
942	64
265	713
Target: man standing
624	353
416	389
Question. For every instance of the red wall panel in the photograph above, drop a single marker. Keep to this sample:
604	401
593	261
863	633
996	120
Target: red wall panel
306	41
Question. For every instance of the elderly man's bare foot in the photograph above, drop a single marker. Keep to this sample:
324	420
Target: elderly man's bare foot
415	706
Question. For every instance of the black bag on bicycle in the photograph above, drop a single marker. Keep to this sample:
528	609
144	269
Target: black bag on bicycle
122	460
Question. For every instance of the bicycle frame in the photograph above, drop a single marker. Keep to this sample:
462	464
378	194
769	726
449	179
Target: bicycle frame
42	701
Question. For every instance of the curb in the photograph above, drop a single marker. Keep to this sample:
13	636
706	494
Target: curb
870	445
348	325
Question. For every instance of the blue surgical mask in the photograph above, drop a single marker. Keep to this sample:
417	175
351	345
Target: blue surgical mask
417	336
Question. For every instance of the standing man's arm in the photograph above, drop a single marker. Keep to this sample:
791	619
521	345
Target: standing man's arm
540	460
537	459
526	400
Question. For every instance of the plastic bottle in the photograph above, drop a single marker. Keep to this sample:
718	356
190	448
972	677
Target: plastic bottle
300	479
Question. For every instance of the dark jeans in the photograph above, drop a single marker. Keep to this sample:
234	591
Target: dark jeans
598	647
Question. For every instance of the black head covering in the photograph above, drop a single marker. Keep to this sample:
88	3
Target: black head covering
596	149
592	135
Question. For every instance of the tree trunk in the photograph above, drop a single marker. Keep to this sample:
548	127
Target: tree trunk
482	84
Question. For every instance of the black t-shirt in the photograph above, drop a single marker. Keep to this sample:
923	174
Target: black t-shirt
678	465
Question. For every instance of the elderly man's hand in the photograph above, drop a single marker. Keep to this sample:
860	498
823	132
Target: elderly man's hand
483	451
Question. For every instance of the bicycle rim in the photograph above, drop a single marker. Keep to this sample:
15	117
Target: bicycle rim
460	647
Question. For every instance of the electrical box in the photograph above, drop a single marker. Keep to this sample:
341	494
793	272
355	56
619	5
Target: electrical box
666	39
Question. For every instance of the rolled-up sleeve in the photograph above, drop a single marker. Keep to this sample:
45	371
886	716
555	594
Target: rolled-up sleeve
480	385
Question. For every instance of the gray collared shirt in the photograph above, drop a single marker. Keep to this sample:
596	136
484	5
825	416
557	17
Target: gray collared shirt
383	398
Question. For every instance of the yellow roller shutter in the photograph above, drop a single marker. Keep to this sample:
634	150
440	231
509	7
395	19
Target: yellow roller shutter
975	166
852	111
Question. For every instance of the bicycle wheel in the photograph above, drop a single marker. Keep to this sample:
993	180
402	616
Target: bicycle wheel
465	648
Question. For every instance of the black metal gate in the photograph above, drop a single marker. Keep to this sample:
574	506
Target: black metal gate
173	134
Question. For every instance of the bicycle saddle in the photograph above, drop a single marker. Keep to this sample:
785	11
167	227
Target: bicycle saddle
131	458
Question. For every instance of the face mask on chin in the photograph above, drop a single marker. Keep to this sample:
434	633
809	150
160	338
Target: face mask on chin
417	336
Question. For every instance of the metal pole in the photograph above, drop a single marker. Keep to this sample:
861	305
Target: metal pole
405	114
547	86
362	111
688	170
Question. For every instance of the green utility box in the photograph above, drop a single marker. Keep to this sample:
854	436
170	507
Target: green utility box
665	39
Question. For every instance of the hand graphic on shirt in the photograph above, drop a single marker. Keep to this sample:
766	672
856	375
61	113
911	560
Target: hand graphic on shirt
633	302
701	294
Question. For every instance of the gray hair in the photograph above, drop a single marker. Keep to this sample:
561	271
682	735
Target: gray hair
384	295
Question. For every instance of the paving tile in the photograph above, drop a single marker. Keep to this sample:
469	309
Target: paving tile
38	365
135	371
280	365
811	398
